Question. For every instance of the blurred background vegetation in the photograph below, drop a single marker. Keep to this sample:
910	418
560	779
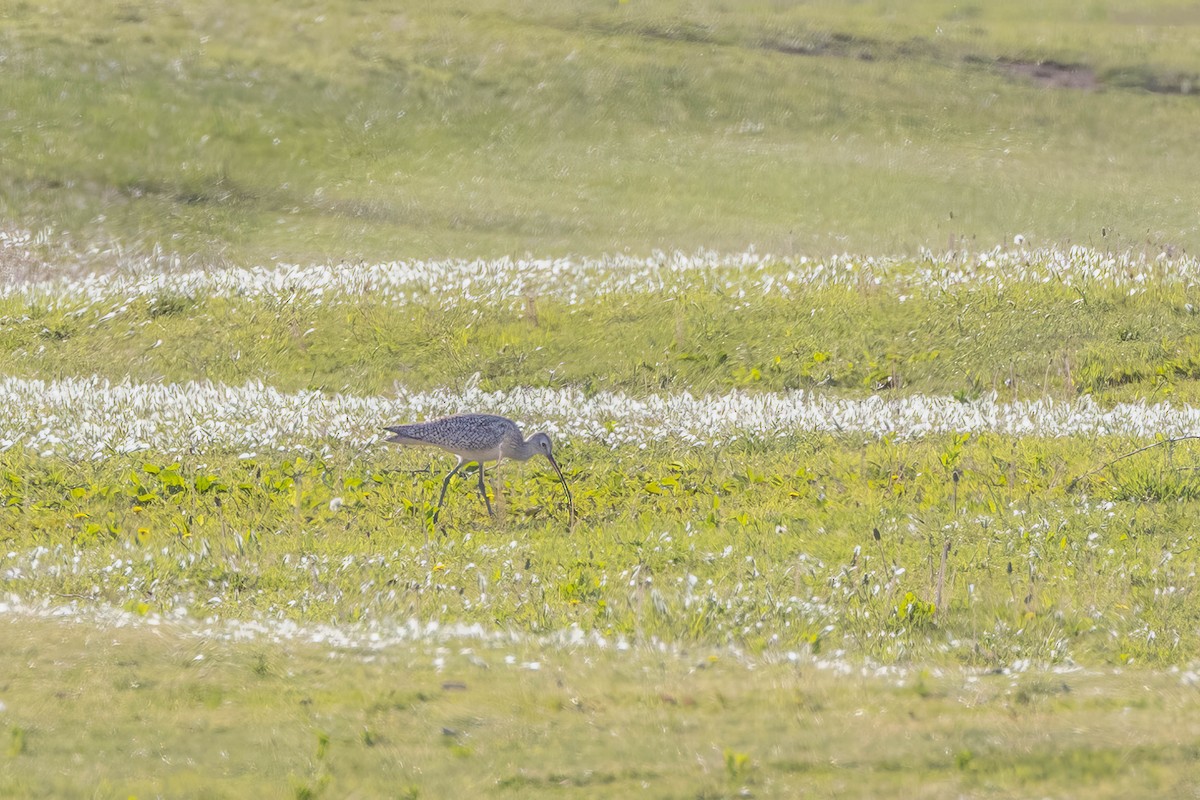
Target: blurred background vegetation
363	129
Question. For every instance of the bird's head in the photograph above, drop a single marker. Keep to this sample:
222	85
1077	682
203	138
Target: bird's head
541	445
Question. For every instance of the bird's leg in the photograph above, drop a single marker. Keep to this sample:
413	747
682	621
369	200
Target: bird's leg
498	485
483	491
445	485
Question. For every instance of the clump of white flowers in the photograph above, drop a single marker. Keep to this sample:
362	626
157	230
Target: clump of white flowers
94	418
575	280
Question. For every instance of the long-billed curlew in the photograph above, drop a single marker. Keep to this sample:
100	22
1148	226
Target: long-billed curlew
476	438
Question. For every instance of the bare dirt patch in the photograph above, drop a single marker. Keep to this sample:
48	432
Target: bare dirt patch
1052	74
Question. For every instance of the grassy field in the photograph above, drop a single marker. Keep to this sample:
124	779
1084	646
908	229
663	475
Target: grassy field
848	526
708	331
172	715
951	550
735	607
356	130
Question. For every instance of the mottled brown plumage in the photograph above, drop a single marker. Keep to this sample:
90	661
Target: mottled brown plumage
476	438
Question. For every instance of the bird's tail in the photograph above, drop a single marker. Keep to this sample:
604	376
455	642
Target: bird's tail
402	434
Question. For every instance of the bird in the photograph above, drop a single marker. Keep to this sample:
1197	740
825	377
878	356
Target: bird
476	438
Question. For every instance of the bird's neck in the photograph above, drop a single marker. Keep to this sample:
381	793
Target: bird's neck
524	451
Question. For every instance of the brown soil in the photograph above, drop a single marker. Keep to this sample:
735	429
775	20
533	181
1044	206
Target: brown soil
1052	74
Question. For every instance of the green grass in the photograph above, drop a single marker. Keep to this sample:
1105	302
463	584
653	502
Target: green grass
744	577
351	131
1027	340
144	712
813	543
1097	575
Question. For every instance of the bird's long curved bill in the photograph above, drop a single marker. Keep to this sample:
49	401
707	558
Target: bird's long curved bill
570	500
